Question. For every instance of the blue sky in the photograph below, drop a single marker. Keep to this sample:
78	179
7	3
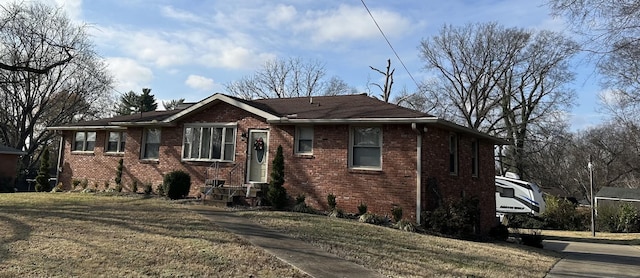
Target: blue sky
190	49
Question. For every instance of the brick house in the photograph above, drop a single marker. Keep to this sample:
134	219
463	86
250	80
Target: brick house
355	147
9	158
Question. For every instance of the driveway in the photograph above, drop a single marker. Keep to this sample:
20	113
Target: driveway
587	259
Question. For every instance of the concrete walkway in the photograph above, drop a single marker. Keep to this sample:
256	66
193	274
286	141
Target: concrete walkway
303	256
587	259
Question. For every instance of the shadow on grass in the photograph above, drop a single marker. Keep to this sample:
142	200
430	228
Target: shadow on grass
18	231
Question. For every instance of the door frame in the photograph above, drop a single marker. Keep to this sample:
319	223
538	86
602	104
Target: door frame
251	153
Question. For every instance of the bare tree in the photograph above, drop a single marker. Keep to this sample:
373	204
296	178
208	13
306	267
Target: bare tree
54	77
504	81
610	30
279	78
336	86
388	81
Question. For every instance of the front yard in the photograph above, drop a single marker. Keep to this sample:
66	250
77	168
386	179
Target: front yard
74	234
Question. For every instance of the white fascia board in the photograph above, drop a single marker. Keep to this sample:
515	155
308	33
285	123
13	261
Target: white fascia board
617	199
223	98
88	127
148	123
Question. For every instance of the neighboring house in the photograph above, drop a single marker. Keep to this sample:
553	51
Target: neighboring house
9	158
615	196
355	147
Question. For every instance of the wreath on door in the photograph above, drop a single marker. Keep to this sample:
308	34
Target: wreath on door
258	145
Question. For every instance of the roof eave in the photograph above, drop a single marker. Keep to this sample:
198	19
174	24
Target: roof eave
420	120
89	127
142	124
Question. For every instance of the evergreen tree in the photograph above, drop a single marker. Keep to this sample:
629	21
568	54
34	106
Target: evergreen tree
147	101
136	103
42	180
172	104
277	194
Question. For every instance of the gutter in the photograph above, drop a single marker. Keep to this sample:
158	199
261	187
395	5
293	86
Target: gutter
414	127
91	127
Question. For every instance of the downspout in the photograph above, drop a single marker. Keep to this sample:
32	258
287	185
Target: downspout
414	127
60	152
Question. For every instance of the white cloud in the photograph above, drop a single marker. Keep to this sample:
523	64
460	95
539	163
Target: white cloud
128	74
161	49
72	7
351	23
200	82
281	14
181	15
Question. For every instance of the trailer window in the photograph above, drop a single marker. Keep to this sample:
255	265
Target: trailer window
506	192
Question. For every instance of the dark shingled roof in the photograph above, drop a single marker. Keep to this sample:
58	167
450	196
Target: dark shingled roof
10	150
136	117
334	107
619	192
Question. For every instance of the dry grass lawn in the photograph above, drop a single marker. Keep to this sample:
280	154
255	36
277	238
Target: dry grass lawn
620	238
84	235
401	254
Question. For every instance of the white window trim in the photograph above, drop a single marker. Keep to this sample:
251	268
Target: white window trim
455	154
122	139
143	148
234	128
298	137
84	143
351	146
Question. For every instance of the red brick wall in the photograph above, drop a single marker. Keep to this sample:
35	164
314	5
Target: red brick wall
325	172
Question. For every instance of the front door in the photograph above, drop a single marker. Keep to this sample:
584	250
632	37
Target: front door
258	156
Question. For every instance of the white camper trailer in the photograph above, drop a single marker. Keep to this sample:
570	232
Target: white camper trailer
515	196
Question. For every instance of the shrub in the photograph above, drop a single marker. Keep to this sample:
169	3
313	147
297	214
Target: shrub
58	188
374	219
75	183
300	199
42	180
106	185
534	239
147	188
524	221
396	212
362	208
276	193
499	232
119	168
177	184
160	190
95	185
331	200
337	213
405	225
561	214
84	183
458	218
6	186
628	220
134	187
119	188
618	219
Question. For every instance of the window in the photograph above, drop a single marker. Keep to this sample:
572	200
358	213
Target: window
453	154
151	143
506	192
209	142
115	142
84	141
474	158
366	148
304	140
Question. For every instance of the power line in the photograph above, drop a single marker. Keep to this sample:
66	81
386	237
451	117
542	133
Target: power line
389	43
